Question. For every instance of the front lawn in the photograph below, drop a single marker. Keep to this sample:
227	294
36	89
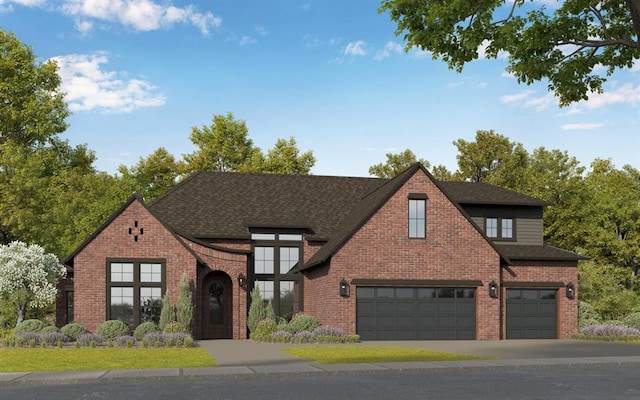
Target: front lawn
72	359
373	354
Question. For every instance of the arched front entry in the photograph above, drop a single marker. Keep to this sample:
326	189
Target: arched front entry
217	306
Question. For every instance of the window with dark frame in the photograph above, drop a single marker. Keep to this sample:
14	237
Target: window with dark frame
276	257
499	228
417	216
135	290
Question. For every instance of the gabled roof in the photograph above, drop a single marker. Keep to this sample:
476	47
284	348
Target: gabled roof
538	253
484	193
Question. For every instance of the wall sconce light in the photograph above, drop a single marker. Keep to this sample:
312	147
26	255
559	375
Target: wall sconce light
571	291
493	290
242	280
344	288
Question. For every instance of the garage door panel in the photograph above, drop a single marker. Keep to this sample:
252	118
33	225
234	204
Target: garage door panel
386	313
531	314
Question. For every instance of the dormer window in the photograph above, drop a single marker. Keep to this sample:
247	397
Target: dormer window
499	228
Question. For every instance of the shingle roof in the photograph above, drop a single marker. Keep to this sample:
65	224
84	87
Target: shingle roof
484	193
541	253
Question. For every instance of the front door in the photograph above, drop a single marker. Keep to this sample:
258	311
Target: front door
217	307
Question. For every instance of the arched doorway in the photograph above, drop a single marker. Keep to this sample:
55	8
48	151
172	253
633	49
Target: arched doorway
217	306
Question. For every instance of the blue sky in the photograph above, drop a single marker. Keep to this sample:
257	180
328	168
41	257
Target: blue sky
139	74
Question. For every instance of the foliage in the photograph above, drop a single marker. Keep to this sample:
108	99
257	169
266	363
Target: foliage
151	176
609	330
285	158
587	312
165	339
50	329
603	286
73	330
395	164
89	340
167	314
632	320
144	328
109	330
257	310
270	313
28	276
29	325
263	330
302	323
70	359
174	327
565	45
125	341
184	306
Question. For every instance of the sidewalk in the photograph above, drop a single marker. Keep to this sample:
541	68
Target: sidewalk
247	358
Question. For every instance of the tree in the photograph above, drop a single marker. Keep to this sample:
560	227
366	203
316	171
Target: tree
151	176
31	103
285	158
28	277
565	46
167	314
257	310
223	146
184	306
395	164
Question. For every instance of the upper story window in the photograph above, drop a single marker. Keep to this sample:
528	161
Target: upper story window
134	290
499	228
275	259
417	215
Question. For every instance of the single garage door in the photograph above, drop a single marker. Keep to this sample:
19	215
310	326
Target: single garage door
406	313
532	314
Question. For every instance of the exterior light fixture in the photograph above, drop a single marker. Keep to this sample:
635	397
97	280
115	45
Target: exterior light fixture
344	288
571	291
493	290
242	280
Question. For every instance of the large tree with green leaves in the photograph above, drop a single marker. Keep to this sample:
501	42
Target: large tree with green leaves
285	158
565	45
151	176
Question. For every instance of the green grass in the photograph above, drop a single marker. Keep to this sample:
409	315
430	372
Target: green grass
72	359
373	354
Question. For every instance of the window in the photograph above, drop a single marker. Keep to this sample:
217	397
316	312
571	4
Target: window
417	216
276	257
135	291
499	228
69	306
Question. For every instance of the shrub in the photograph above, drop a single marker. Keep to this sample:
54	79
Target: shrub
587	311
30	339
352	339
269	312
302	322
73	330
184	306
110	330
609	331
29	325
587	322
167	314
257	310
144	328
89	340
281	336
53	338
162	339
125	341
328	334
264	330
174	327
632	320
303	337
614	322
49	329
5	333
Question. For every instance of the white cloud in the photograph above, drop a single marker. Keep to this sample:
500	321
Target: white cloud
516	98
261	31
526	100
244	40
88	87
84	27
636	66
583	126
419	53
357	48
482	51
142	15
389	49
627	94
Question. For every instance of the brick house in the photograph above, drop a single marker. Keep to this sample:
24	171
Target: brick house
408	258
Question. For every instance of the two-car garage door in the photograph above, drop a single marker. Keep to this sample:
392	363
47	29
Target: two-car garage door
408	313
428	313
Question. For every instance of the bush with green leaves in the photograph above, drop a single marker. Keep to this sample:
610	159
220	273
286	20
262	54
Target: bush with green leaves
112	329
587	311
257	310
49	329
29	325
302	323
73	330
89	340
632	320
144	328
167	314
264	330
174	327
184	306
125	341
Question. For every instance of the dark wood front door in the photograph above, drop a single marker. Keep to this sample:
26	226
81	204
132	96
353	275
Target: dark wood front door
217	307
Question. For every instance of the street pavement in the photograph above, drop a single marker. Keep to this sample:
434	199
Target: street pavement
245	358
